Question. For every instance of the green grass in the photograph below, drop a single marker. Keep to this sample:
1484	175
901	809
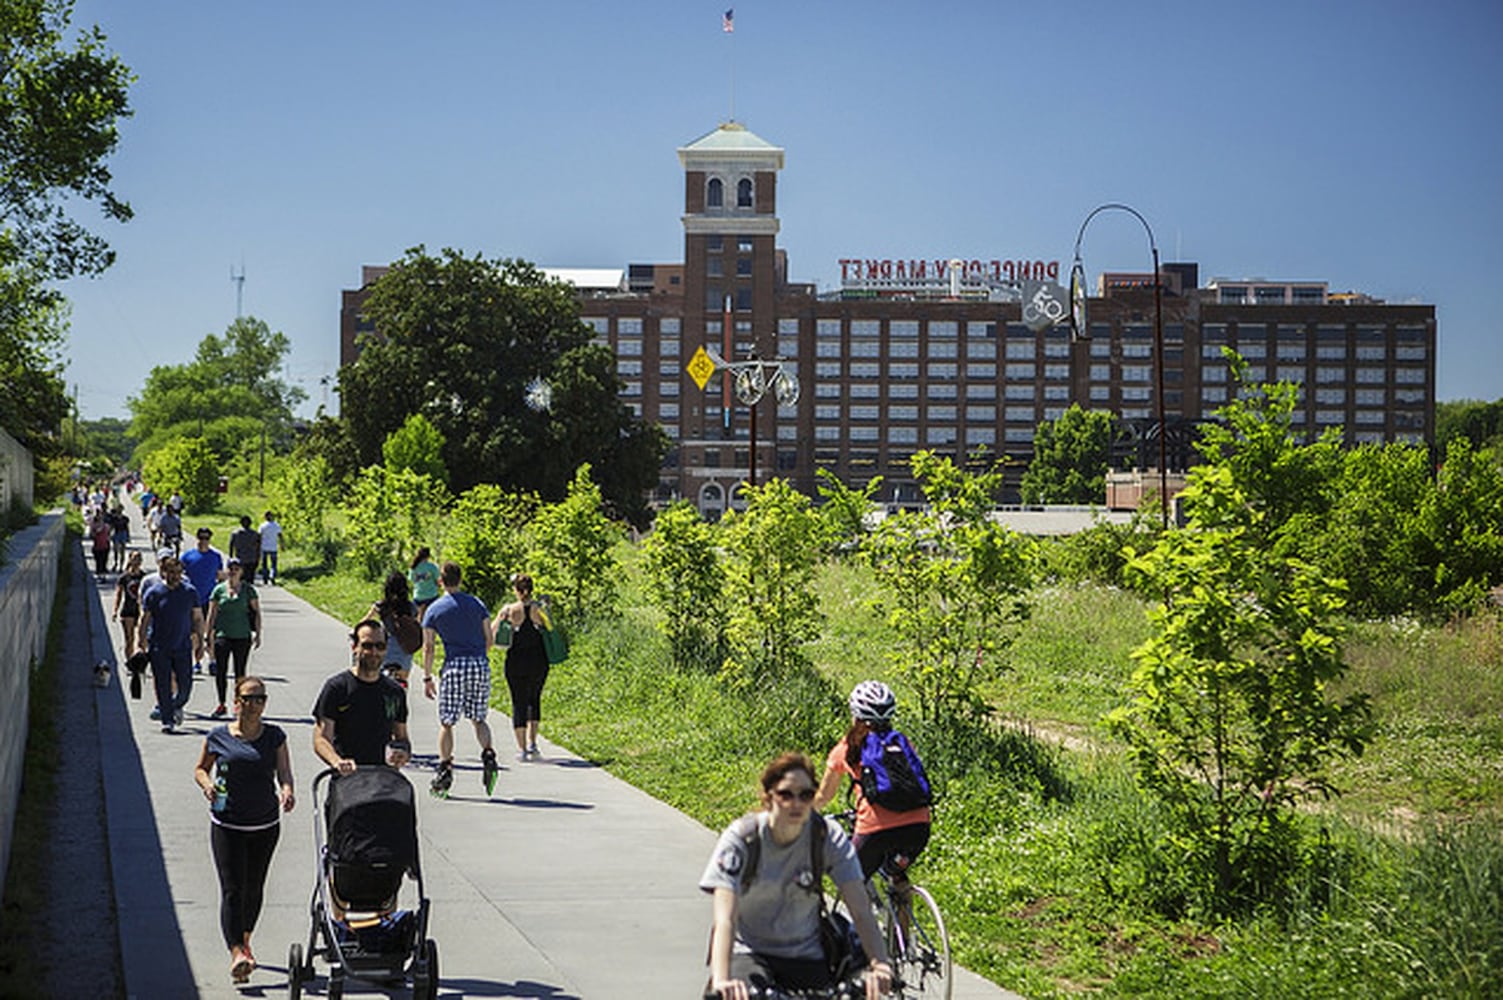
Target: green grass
1047	862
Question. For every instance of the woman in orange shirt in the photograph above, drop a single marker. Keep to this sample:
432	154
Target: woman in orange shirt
882	837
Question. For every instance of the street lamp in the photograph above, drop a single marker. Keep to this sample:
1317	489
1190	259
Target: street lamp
1079	330
752	379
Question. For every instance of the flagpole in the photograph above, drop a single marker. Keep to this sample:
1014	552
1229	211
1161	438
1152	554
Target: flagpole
728	25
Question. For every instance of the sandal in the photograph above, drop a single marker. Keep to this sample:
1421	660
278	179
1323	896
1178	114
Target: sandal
241	965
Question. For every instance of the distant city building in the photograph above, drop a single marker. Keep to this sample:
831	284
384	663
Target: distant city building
930	353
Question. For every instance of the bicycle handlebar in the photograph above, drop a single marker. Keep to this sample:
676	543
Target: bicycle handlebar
848	989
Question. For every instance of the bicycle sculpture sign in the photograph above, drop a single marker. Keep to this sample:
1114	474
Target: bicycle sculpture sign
1043	304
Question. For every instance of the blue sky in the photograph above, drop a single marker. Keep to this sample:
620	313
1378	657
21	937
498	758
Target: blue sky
1356	143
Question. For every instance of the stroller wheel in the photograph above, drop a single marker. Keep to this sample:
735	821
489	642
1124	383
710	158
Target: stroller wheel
295	971
336	982
425	973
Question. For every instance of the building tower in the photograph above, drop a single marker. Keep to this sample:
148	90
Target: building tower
732	271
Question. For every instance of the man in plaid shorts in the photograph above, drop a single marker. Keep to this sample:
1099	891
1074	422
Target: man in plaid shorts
463	623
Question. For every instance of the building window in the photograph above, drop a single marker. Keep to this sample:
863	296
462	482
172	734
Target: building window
827	329
1136	349
943	369
906	329
945	414
744	193
1057	373
903	370
823	433
1371	376
944	349
631	389
827	348
982	390
866	348
1256	374
902	435
980	370
943	329
827	390
1364	397
1409	376
827	369
1331	397
1213	394
864	433
667	388
866	369
715	193
908	391
1409	352
1290	373
788	327
668	369
629	325
942	390
629	368
980	435
1101	347
1057	347
1057	393
864	412
903	349
827	411
982	350
631	348
1024	373
1101	373
1368	417
909	413
743	244
1101	393
940	435
1019	413
1135	394
1135	373
981	414
865	390
1018	435
1021	350
668	410
1371	352
1017	390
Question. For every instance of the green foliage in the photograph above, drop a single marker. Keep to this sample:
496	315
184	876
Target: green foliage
459	339
1070	459
1477	421
416	445
686	580
32	326
110	438
772	554
389	512
329	439
954	584
485	533
843	515
1461	552
1099	553
572	542
187	466
302	494
62	97
1231	720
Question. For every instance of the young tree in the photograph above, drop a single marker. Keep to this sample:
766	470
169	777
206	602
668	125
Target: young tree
843	516
954	585
572	550
302	494
416	445
686	580
1232	719
1070	459
772	554
188	466
389	511
485	532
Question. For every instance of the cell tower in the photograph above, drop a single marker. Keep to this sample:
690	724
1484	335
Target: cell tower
239	280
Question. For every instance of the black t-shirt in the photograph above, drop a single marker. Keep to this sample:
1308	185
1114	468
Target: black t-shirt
363	713
248	769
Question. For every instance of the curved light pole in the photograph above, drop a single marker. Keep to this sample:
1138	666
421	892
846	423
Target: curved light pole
1079	331
751	380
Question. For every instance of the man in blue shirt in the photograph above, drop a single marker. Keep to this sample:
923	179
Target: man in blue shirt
204	566
464	688
171	632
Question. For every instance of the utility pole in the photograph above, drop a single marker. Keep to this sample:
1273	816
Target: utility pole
239	280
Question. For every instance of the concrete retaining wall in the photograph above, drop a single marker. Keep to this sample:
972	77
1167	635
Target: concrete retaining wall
28	583
17	477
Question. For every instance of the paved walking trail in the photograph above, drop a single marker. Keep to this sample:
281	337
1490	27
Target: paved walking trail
568	884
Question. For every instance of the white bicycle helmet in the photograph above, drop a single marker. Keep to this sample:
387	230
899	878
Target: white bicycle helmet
873	701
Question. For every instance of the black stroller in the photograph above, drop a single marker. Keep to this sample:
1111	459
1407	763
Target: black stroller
371	846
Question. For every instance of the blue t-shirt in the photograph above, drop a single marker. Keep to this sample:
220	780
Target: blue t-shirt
459	619
171	610
202	569
248	769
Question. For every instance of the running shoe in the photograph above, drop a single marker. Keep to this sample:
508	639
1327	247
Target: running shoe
219	712
442	780
534	753
156	713
489	769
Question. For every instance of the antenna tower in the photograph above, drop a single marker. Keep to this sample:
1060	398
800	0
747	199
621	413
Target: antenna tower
239	280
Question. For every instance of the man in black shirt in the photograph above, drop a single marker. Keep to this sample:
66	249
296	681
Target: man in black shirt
362	713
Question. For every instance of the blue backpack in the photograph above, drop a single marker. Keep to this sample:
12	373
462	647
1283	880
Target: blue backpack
892	776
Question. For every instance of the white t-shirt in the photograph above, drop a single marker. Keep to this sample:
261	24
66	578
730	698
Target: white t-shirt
270	531
778	914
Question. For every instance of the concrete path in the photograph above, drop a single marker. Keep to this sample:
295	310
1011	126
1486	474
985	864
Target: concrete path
567	884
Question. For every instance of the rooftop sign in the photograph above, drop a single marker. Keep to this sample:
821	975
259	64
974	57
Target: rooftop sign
917	272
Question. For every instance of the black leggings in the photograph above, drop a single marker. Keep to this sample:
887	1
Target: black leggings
243	858
223	649
526	686
900	845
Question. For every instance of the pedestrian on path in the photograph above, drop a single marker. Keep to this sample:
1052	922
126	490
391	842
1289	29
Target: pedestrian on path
423	575
526	663
204	565
397	614
99	539
361	712
128	601
171	631
271	540
245	545
464	688
119	537
234	625
170	528
245	772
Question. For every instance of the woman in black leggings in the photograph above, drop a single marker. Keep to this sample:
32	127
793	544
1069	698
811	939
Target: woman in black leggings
246	774
526	664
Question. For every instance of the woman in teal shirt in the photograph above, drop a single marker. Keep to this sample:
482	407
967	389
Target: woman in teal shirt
235	623
424	579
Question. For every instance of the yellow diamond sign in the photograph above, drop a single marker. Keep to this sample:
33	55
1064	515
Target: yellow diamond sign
700	368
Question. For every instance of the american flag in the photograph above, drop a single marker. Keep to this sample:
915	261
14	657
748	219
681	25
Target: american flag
728	20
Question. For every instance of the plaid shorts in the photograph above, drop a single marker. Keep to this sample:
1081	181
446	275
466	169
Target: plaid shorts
464	688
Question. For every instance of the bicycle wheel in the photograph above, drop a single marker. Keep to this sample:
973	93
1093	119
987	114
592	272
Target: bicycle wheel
923	961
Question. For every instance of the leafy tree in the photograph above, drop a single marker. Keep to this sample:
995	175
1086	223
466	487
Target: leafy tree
843	515
228	393
572	543
302	495
189	467
329	440
1461	550
954	584
485	533
1232	720
109	437
60	106
389	510
772	553
686	579
459	339
416	445
34	402
1479	422
1070	459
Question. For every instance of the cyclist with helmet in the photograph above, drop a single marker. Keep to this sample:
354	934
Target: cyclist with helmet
881	836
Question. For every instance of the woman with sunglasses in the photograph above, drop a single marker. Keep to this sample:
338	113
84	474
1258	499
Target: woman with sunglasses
766	907
245	772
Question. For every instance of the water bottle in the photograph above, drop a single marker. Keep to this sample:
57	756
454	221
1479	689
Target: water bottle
221	788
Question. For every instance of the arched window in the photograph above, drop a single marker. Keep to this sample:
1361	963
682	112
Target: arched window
715	193
744	193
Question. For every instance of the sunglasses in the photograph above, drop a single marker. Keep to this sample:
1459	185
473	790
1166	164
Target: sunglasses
788	794
253	697
373	645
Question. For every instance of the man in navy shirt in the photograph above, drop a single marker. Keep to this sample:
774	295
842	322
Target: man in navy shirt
171	631
204	566
464	688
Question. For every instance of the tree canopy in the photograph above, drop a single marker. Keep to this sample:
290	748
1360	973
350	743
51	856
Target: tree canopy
1070	459
459	340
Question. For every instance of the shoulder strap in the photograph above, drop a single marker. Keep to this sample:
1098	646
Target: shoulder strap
751	842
